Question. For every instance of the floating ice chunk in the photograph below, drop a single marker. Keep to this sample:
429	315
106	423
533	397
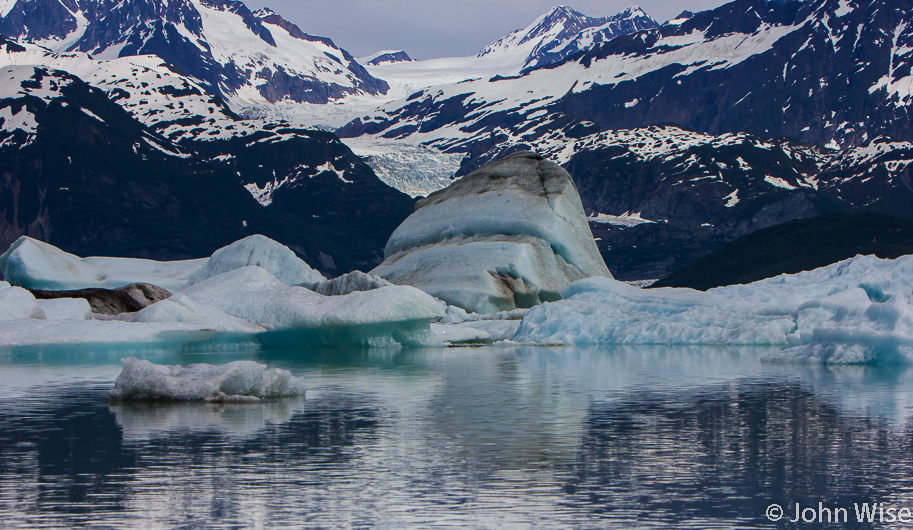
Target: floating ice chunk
4	285
349	283
388	316
180	308
235	381
508	235
17	303
263	252
66	309
36	265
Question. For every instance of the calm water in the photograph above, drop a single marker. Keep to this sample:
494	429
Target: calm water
459	438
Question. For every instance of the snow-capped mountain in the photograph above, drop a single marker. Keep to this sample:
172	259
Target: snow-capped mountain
170	104
831	72
80	171
246	57
563	32
386	56
551	37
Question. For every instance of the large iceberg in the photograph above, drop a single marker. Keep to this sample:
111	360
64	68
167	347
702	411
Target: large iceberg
235	381
33	264
859	310
387	316
511	234
276	258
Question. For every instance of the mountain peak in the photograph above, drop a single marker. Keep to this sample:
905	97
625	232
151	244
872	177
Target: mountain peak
563	31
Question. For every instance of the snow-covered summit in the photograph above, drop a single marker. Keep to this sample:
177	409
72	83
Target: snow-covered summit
386	56
562	31
233	52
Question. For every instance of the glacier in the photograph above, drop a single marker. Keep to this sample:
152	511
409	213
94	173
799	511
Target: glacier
235	381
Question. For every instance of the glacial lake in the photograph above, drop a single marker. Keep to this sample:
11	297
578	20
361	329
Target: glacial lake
489	437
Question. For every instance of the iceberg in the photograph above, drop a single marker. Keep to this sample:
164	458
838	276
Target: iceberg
856	311
235	381
511	234
33	264
16	303
387	316
260	251
66	309
180	308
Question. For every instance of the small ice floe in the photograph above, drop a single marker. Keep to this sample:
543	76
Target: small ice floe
236	381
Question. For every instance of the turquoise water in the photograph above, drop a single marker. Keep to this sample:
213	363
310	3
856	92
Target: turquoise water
487	437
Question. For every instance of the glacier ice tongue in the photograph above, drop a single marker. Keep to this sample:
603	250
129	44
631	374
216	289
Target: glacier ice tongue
263	252
235	381
33	264
508	235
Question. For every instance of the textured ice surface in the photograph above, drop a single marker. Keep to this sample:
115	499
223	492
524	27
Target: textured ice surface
17	303
263	252
511	234
387	316
36	265
66	309
855	311
235	381
457	334
349	283
180	308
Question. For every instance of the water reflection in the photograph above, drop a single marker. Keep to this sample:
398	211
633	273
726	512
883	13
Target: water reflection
479	438
725	453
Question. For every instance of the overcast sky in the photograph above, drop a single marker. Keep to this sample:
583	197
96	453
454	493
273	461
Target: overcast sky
441	28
